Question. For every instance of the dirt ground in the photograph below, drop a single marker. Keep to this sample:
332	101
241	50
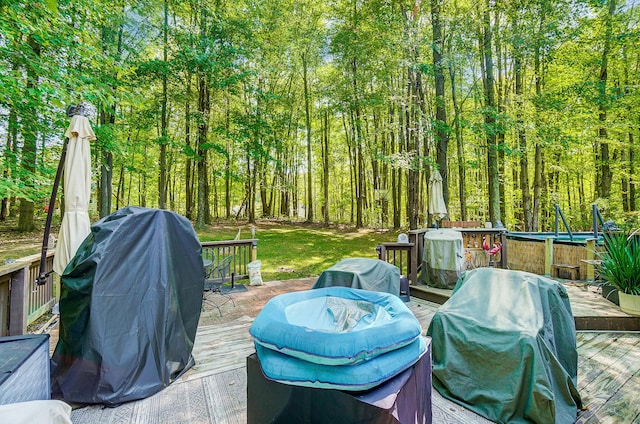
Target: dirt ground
15	244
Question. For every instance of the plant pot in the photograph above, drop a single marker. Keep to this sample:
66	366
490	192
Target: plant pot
610	293
630	303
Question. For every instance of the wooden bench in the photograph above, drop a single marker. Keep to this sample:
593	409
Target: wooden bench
567	272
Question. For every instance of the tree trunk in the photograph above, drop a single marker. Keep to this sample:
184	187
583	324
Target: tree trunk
442	133
411	140
538	154
188	171
522	144
325	168
500	91
162	160
489	119
203	129
227	160
30	135
120	187
9	159
252	174
459	146
604	174
396	181
307	117
632	173
359	160
107	118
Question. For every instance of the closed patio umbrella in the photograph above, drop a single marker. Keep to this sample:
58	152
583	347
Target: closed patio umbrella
77	190
437	207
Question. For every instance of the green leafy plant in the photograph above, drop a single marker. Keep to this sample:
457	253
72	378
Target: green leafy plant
620	262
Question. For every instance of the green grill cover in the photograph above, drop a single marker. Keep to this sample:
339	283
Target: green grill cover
504	346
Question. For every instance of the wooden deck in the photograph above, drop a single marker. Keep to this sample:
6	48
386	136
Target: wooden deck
212	391
590	310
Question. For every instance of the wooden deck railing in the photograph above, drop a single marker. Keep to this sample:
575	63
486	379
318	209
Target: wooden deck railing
396	253
22	301
241	252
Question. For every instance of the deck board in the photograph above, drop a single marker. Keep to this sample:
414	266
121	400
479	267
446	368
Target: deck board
607	379
215	388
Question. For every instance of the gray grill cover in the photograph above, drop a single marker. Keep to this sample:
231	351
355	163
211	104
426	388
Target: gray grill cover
129	308
362	273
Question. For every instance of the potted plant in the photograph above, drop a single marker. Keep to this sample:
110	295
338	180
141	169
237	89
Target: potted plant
620	267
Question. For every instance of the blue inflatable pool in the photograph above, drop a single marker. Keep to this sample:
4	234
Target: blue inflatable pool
336	337
362	376
335	325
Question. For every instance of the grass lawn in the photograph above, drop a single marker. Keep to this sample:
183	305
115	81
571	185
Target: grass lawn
294	251
287	251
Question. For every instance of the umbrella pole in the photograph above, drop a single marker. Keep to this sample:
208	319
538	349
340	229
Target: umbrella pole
42	275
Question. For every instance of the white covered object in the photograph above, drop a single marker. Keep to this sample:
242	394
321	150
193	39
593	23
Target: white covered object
437	207
36	411
443	258
255	277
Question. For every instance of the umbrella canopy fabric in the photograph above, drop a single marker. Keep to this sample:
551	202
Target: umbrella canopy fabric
437	207
77	192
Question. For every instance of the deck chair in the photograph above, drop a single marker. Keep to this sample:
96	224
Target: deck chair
215	276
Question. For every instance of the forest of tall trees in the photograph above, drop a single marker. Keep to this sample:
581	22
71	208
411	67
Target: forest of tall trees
329	112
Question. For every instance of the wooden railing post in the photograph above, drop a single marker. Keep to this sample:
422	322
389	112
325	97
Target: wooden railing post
254	249
19	301
504	264
548	255
591	253
382	252
416	238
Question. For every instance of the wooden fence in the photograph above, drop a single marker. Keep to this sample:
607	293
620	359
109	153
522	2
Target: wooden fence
238	253
535	256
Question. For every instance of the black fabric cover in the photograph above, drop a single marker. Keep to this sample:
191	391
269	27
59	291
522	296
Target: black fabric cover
129	308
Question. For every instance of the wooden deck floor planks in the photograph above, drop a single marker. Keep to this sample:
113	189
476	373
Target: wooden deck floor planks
609	376
608	364
608	367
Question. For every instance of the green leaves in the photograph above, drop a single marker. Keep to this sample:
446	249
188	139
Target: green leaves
620	262
52	5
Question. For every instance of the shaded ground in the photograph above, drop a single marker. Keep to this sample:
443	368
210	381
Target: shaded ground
15	244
